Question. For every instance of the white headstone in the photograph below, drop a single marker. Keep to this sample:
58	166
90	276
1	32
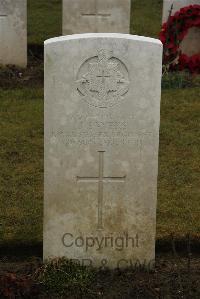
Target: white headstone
102	111
87	16
13	32
191	43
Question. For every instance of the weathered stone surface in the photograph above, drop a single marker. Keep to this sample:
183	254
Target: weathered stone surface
87	16
191	43
102	110
13	32
177	5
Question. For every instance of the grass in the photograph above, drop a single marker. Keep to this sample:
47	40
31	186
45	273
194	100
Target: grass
59	276
21	159
178	183
21	177
45	19
146	17
21	138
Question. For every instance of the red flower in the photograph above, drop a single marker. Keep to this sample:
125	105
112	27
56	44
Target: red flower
173	32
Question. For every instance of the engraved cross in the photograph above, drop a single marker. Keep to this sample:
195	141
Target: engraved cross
101	179
95	13
103	76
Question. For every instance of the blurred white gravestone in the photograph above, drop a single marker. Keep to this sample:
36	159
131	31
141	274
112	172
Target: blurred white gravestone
102	111
13	32
191	43
87	16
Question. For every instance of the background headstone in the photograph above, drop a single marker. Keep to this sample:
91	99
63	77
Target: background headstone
102	111
87	16
13	32
191	43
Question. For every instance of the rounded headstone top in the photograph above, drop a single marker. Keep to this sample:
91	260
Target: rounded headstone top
103	35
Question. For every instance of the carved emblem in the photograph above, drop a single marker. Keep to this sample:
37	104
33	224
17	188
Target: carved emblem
103	80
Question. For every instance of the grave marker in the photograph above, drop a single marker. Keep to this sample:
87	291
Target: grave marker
82	16
13	32
102	110
191	43
95	12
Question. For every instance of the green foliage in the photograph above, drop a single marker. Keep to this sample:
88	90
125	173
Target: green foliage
44	20
21	160
179	80
146	17
179	160
61	275
21	136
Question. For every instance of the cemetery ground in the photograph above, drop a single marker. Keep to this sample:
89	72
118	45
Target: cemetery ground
21	182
